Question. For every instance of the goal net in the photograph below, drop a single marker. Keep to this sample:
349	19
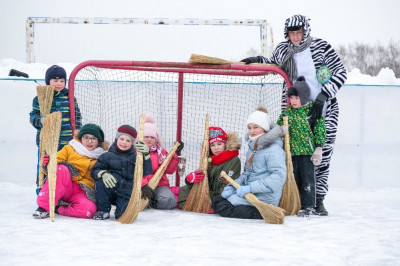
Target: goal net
178	95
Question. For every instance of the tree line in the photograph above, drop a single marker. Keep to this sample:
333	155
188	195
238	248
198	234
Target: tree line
370	58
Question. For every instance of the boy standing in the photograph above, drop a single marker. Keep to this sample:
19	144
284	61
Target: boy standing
305	143
56	76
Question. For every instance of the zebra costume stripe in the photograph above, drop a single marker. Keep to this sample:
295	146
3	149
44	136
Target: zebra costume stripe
322	53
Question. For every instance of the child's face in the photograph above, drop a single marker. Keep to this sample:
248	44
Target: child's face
295	101
90	142
217	147
254	130
58	84
124	142
150	141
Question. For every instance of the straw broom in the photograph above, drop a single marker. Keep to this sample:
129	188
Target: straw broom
204	59
290	200
270	213
199	196
45	98
51	132
134	205
153	183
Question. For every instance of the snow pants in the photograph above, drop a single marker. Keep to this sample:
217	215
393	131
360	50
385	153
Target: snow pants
224	208
70	192
163	199
303	170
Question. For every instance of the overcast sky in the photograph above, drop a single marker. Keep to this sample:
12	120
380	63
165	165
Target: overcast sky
338	22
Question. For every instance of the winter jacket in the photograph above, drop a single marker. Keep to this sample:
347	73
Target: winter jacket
231	166
60	103
122	166
82	163
171	168
267	173
302	140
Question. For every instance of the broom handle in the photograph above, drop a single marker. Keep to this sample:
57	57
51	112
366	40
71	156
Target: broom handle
287	142
230	180
160	171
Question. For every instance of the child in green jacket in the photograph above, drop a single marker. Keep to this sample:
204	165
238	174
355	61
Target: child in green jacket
305	143
224	152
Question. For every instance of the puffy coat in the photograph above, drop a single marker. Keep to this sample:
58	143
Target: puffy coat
171	168
121	166
267	173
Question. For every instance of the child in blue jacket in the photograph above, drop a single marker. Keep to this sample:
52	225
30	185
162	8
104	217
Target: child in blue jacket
56	76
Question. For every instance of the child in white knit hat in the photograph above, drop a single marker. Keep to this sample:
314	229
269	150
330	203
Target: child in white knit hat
264	172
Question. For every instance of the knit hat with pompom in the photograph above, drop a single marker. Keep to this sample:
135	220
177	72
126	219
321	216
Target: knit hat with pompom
260	117
150	130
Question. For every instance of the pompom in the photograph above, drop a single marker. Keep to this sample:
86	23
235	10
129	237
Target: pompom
262	108
301	78
149	119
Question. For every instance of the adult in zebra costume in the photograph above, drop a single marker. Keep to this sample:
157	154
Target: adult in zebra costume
303	55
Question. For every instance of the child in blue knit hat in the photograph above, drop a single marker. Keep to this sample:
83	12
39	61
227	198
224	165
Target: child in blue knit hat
56	76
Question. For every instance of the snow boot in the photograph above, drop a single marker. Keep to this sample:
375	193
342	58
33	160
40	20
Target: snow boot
40	213
320	210
101	215
306	212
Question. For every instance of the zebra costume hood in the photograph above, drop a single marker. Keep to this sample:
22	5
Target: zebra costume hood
297	22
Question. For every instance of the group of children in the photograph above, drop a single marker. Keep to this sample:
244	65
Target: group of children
91	177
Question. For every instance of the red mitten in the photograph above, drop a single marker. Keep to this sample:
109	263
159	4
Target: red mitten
46	160
195	177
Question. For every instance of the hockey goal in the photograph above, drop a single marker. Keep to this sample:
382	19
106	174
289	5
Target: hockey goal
178	95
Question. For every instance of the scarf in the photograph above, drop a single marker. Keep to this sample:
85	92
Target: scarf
79	148
161	156
223	157
288	63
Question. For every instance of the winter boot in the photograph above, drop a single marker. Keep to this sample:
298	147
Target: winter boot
101	215
40	213
306	212
320	210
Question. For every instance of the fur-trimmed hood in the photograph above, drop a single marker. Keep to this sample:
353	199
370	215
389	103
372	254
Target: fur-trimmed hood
269	137
233	141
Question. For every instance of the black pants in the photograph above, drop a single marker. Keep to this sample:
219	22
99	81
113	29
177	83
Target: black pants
303	170
224	208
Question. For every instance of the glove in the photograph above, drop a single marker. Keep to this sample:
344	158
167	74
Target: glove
316	110
108	179
45	160
143	148
284	129
250	60
195	177
38	122
316	158
243	190
179	149
147	192
228	191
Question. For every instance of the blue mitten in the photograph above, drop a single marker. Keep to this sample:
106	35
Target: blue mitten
228	190
243	190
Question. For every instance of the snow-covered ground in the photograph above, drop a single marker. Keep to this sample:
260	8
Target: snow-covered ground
362	227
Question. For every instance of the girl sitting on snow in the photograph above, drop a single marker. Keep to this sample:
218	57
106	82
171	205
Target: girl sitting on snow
264	173
74	185
224	151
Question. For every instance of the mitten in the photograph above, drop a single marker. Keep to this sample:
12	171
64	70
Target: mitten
243	190
228	191
179	149
45	160
147	192
250	60
108	179
284	129
143	148
316	158
38	122
195	177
